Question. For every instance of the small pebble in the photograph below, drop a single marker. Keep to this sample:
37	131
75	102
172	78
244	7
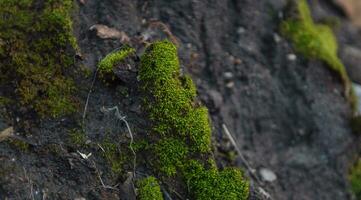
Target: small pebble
291	57
237	61
276	37
241	30
230	84
228	75
267	175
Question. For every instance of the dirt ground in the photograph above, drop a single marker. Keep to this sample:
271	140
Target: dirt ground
287	113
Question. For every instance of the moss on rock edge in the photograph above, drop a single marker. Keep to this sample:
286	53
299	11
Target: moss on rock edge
107	64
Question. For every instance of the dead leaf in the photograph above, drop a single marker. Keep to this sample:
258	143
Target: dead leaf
105	32
6	133
352	9
82	1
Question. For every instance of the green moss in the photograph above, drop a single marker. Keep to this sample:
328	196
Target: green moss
181	128
140	145
171	154
19	144
77	137
149	189
211	184
36	53
355	179
169	98
4	101
115	157
107	64
316	41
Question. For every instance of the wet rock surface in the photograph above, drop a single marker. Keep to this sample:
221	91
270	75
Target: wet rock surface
287	115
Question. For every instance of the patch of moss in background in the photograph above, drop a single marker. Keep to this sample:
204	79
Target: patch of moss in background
316	41
35	41
181	128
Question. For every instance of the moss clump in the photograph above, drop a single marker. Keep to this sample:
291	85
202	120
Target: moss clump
355	179
107	64
212	184
149	189
35	44
181	128
169	98
316	41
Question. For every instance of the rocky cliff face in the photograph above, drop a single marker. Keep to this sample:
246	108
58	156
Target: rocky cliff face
287	113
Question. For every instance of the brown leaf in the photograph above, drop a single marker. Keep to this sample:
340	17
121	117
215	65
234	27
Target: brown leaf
6	133
105	32
352	8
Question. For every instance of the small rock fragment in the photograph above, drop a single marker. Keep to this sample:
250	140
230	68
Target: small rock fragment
241	30
291	57
228	75
267	175
216	98
276	37
357	89
237	61
351	57
230	84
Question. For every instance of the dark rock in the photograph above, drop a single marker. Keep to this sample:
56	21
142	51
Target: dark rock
351	57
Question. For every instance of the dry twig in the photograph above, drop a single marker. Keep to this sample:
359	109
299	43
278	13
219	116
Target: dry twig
245	162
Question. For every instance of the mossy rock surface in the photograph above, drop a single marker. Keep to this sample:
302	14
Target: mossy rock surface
37	47
181	128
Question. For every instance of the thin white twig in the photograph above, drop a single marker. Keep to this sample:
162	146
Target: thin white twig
245	162
88	97
230	137
123	119
101	147
101	180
